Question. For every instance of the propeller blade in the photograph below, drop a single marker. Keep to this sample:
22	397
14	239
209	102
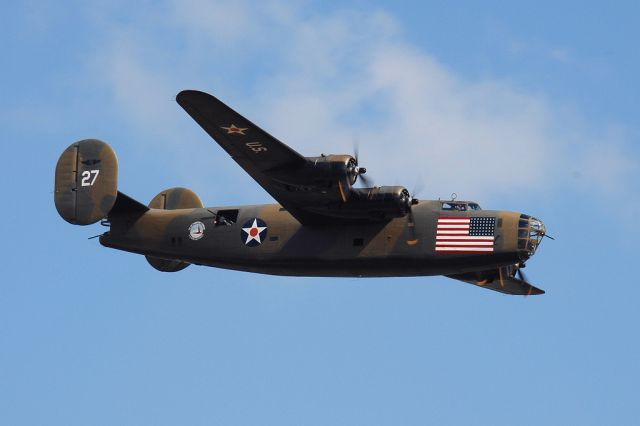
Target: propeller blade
521	275
417	189
365	180
412	225
360	171
408	201
356	149
413	239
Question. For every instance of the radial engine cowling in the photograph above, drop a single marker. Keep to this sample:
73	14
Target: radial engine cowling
334	168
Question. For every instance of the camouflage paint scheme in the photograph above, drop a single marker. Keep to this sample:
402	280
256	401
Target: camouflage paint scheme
323	226
82	163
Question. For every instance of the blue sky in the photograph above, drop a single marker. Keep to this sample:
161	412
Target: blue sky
529	108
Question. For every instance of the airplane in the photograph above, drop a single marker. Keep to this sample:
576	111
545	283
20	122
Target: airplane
323	225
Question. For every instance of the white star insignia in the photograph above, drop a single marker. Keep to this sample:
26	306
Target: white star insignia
253	232
233	129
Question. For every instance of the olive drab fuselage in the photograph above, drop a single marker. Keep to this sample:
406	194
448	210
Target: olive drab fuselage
288	248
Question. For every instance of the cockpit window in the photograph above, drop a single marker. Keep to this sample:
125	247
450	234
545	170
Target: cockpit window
460	207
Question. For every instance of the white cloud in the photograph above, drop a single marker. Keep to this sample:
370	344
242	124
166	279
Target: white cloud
320	81
144	95
218	22
606	166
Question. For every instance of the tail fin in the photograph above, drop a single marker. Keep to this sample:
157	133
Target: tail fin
86	185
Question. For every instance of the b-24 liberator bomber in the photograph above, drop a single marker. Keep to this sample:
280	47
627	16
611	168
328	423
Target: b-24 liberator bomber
323	225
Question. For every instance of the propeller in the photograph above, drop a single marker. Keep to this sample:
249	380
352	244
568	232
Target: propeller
410	201
358	172
521	276
411	224
514	271
407	199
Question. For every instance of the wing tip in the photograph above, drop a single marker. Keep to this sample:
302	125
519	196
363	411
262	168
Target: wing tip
534	291
185	95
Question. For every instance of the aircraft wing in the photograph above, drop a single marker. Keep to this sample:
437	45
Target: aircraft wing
293	180
507	285
255	150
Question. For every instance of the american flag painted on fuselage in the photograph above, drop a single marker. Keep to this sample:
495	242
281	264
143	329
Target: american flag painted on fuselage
465	234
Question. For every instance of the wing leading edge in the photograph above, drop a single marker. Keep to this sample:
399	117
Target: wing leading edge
255	150
315	190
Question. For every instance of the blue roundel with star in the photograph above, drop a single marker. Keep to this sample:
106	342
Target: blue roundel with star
254	232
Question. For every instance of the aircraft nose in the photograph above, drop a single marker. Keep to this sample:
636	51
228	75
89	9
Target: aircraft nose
537	226
531	231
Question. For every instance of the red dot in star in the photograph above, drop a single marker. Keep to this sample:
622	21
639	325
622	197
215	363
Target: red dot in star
253	232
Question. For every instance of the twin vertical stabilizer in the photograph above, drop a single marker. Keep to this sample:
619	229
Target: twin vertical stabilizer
86	185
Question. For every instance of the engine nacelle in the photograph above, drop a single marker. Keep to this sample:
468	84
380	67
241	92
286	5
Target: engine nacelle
323	172
332	169
384	202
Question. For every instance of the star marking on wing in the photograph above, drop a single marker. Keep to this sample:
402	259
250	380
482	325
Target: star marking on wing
235	130
253	232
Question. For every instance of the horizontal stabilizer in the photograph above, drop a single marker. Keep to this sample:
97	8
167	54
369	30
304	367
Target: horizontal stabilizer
127	205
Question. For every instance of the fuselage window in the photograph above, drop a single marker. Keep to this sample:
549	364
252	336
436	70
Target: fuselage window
226	217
